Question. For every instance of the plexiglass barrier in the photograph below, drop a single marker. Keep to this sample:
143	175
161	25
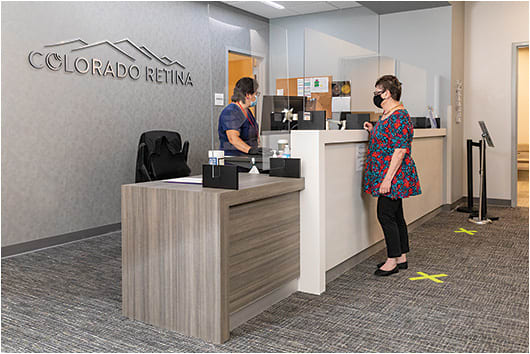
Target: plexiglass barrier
249	48
312	71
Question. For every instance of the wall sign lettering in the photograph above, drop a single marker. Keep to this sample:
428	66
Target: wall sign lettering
163	70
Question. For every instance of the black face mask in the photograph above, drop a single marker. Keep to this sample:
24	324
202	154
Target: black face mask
378	100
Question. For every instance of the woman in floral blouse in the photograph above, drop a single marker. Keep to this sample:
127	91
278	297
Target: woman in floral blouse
390	172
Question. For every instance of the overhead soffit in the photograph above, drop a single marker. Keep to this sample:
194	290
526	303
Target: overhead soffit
388	7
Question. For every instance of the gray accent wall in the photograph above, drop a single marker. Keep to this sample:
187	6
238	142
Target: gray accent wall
69	141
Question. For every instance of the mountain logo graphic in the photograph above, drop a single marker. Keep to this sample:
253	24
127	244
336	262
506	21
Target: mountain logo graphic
143	50
154	68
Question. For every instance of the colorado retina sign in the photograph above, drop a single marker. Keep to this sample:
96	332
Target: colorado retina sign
166	70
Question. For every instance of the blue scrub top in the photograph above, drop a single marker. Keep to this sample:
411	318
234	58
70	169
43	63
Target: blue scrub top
232	118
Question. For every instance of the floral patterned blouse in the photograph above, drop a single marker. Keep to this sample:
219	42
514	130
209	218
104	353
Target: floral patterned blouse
394	132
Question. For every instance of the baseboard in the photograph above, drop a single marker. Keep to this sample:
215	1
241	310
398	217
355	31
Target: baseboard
35	245
491	201
351	262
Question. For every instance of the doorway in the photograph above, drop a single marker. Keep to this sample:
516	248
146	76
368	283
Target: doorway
521	112
244	65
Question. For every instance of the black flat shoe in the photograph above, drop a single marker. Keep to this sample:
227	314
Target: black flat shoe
403	265
384	273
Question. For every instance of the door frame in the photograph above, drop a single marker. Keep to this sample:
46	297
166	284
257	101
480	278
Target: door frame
515	63
261	71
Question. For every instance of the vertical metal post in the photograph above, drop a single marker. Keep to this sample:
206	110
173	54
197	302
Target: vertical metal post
470	174
484	189
469	208
482	216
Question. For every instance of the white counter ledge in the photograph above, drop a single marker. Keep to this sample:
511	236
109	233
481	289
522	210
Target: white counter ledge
337	219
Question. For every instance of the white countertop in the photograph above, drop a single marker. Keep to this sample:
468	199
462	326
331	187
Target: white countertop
361	135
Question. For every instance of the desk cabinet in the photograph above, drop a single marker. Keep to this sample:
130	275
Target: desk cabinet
191	256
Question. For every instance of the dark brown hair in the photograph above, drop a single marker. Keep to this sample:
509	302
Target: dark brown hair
392	84
244	86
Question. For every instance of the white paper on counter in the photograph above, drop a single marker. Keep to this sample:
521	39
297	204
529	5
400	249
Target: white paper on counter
319	84
340	104
186	180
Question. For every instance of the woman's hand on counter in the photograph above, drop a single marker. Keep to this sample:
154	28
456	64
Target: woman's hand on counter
368	126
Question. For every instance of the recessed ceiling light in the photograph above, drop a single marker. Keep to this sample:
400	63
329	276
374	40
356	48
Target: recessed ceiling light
273	4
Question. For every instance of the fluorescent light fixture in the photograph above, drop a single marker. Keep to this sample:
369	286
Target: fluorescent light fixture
273	4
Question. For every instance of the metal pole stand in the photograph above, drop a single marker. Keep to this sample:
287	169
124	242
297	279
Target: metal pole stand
469	208
482	218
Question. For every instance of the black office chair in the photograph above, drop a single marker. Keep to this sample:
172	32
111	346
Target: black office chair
161	155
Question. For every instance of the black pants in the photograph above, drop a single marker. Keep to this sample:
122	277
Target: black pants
390	216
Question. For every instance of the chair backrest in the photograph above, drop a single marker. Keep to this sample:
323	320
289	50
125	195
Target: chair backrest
161	155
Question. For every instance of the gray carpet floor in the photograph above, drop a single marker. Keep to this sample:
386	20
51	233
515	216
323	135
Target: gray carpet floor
68	299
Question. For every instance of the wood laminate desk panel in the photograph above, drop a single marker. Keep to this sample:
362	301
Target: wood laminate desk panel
193	255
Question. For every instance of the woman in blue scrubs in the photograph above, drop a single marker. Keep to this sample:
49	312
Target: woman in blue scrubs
238	129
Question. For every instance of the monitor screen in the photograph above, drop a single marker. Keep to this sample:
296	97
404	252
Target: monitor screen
276	104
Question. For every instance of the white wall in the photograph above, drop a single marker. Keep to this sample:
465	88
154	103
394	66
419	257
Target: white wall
456	164
490	30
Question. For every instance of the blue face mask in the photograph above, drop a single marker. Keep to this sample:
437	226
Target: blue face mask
254	103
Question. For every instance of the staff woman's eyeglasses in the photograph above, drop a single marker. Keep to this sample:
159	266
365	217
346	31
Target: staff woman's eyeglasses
376	93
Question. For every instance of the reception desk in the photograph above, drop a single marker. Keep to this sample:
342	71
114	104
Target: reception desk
338	220
199	260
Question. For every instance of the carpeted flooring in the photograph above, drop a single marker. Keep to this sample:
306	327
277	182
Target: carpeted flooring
68	299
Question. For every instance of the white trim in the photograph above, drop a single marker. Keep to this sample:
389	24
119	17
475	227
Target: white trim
515	47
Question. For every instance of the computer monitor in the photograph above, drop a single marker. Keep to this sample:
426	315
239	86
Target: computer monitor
312	120
356	120
276	104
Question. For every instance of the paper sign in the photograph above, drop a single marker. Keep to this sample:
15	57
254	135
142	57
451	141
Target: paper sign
360	158
279	92
340	104
319	84
307	87
219	99
300	87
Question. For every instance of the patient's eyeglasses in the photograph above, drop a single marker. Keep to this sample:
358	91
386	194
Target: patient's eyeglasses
378	92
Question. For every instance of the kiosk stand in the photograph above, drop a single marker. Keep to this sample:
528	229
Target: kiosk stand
469	208
482	217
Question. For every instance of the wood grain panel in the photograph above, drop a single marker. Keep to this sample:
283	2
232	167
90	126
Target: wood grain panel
191	254
264	247
171	268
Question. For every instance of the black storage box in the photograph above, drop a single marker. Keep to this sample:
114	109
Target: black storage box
284	167
219	176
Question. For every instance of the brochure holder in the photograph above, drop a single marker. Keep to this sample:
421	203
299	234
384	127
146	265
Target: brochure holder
219	176
285	167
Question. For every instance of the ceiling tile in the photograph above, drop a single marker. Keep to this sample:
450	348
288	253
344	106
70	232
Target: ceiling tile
345	4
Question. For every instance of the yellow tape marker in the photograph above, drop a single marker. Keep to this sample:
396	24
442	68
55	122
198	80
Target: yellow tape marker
470	232
427	276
